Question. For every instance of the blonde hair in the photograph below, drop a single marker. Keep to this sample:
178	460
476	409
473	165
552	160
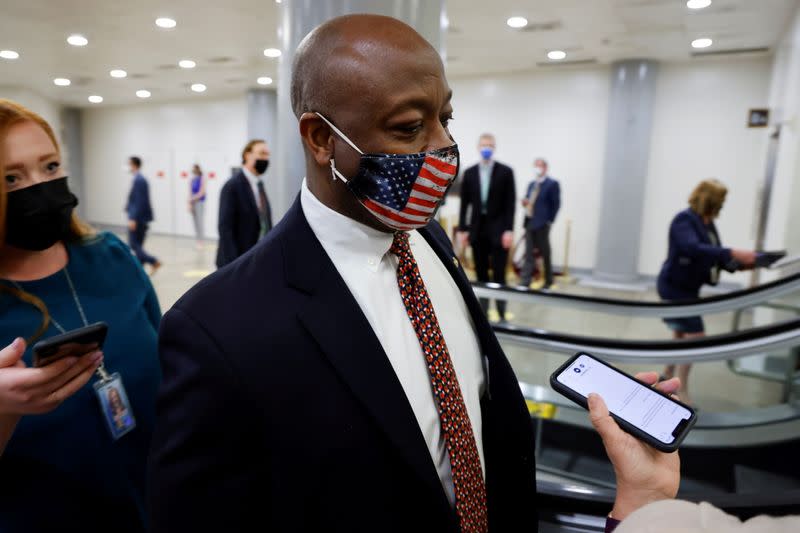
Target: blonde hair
707	198
249	147
12	113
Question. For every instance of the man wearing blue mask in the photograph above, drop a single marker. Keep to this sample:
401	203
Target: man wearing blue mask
488	197
341	376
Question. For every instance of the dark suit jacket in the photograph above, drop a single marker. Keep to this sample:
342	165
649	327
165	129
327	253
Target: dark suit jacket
279	407
690	258
548	202
239	224
138	206
499	205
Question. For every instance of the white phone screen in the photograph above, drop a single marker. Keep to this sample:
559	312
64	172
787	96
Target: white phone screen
626	398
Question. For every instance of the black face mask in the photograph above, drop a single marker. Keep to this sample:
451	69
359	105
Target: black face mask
261	166
39	216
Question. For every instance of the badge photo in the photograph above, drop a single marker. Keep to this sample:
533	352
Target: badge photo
115	406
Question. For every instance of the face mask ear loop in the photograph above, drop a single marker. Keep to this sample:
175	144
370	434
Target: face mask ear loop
339	133
335	172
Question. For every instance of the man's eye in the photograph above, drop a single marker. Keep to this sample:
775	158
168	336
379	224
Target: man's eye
446	120
409	129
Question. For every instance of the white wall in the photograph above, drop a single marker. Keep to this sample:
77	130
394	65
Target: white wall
698	131
49	110
169	138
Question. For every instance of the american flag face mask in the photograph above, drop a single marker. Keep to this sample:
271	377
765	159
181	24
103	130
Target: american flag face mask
403	191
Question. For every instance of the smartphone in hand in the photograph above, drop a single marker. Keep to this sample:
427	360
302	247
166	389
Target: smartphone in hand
74	343
646	413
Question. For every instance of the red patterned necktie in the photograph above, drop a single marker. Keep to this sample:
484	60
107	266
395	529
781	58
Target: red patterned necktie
459	438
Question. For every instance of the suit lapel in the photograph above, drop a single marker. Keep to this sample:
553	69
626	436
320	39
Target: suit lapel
702	230
335	321
247	193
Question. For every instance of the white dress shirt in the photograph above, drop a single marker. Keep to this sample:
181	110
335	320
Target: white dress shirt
253	180
361	256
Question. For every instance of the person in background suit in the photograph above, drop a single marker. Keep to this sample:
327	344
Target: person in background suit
489	194
694	258
140	214
303	384
245	215
542	202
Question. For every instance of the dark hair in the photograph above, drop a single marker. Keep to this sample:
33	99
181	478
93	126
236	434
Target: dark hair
249	147
136	161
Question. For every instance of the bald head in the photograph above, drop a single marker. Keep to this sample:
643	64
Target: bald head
341	56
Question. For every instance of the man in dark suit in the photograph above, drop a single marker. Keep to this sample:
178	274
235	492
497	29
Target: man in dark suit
303	384
488	198
140	214
245	215
542	202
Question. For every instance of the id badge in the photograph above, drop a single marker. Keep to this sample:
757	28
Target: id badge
115	407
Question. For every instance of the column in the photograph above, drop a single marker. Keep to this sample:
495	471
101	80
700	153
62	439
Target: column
72	145
297	19
630	119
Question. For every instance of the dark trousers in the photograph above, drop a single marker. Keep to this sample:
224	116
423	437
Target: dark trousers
486	254
136	242
537	239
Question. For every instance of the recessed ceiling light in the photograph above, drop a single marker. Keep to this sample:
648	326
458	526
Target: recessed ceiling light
186	63
96	99
198	87
264	80
166	23
557	55
62	82
517	22
143	93
702	43
9	54
698	4
272	52
118	73
77	40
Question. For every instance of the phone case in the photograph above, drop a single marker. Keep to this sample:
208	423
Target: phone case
47	351
626	426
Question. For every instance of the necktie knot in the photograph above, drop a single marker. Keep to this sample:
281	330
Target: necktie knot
400	244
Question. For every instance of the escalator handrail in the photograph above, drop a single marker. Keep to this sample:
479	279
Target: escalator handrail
755	340
713	304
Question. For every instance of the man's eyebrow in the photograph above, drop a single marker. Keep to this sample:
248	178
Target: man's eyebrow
415	102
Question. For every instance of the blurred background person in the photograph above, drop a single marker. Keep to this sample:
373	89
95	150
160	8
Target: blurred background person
197	200
486	218
245	215
542	202
57	274
694	259
140	214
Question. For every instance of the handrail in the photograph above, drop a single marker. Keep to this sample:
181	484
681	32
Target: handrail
756	340
713	304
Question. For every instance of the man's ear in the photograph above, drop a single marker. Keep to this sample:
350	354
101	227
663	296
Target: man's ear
317	137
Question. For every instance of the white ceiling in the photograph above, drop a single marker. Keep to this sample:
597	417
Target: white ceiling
227	39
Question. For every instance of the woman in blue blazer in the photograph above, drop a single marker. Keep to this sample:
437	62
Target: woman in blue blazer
695	258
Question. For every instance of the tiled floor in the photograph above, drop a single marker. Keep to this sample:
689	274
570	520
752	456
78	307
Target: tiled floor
714	387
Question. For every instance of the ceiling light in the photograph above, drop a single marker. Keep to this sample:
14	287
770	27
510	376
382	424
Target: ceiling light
264	80
556	55
143	93
96	99
9	54
186	63
62	82
117	73
702	43
698	4
198	87
77	40
272	52
166	23
517	22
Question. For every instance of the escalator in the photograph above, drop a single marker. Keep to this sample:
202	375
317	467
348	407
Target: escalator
743	461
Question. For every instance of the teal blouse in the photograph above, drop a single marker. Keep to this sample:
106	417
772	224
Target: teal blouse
67	458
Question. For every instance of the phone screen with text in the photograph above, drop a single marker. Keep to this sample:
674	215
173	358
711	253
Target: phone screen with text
628	399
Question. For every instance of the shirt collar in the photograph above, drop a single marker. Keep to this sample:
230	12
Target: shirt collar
250	176
343	235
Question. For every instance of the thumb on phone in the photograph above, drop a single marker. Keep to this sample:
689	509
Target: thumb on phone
12	354
601	420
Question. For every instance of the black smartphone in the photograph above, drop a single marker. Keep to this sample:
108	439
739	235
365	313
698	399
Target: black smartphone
646	413
76	343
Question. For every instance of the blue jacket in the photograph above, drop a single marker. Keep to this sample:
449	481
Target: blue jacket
280	407
547	204
690	258
138	207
